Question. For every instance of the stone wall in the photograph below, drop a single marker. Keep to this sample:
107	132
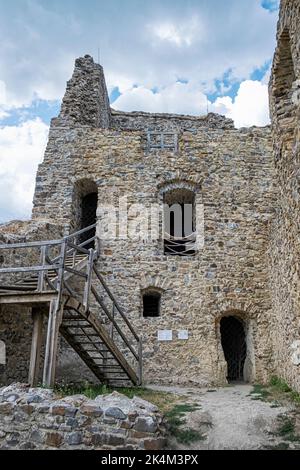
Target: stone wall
284	250
231	173
36	419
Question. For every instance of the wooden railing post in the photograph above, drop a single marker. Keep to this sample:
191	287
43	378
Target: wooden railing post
36	343
54	322
112	323
41	278
89	273
140	365
61	272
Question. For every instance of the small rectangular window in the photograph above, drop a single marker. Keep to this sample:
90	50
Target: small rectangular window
151	304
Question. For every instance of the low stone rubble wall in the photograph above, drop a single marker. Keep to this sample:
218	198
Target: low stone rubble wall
38	419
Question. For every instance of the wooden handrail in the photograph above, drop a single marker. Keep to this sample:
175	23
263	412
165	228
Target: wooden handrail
80	232
30	269
99	300
38	244
86	242
115	303
75	272
78	248
14	246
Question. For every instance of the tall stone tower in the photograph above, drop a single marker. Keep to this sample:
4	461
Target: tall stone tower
86	101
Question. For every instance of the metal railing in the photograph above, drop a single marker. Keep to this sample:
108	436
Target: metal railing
46	272
180	246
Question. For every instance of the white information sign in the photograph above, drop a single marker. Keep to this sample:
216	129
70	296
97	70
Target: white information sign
164	335
183	334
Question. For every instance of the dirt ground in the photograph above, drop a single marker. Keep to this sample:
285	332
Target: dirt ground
233	418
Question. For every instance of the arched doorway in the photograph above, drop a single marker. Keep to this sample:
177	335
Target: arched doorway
88	217
85	202
233	339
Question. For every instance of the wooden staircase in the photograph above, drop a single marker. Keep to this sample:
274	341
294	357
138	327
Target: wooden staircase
81	308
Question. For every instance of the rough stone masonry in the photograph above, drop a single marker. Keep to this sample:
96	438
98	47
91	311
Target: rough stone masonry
247	182
37	419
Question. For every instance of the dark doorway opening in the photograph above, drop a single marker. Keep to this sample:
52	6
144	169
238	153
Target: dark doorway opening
234	345
88	217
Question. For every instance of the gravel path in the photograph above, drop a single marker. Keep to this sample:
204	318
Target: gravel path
237	420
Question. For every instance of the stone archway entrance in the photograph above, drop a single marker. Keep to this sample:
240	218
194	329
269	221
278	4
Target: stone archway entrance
88	217
233	339
84	209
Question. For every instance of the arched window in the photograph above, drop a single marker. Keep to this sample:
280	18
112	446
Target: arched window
179	222
151	303
85	202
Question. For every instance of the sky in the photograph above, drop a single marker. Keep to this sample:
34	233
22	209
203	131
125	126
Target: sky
177	56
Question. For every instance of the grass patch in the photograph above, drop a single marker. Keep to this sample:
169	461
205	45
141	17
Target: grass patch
188	436
279	385
176	419
168	403
260	391
287	429
281	389
162	400
286	426
280	446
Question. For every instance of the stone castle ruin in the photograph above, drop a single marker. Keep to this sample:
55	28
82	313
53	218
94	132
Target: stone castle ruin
217	301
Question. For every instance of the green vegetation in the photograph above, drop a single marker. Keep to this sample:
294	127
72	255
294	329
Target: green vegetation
259	392
279	385
287	429
176	421
168	403
280	446
277	391
280	388
162	400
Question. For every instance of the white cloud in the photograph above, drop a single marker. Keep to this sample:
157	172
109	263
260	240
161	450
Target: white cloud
21	150
198	40
179	98
250	107
184	33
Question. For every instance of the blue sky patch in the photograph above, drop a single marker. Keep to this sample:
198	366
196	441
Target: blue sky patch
114	95
271	5
225	86
259	74
45	110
